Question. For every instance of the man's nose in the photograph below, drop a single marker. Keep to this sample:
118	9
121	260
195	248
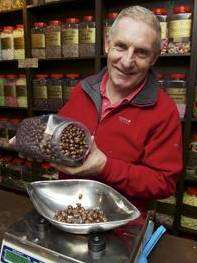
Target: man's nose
128	58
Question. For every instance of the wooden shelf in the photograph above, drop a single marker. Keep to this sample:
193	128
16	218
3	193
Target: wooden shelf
13	108
191	179
5	12
54	3
190	231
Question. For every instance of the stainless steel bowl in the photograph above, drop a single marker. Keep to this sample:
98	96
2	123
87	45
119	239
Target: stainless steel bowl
50	196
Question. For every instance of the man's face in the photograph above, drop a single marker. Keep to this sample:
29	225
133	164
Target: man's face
131	52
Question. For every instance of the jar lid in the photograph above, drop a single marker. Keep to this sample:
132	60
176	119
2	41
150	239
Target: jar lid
88	18
72	75
22	76
159	76
19	26
72	20
112	15
178	76
9	28
192	190
39	24
41	76
54	22
11	76
159	11
181	9
56	75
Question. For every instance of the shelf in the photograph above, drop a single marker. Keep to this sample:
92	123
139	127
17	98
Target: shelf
54	3
13	108
185	230
9	61
191	179
65	59
11	11
194	119
189	211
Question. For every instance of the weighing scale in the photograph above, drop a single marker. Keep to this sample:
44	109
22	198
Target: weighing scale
34	240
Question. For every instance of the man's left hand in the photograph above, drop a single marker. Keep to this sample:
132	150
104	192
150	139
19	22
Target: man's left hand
93	165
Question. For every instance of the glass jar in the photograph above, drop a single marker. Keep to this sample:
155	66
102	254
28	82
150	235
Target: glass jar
18	4
7	43
70	38
195	105
21	91
10	90
107	27
69	83
160	80
40	101
1	29
19	48
53	39
2	98
87	37
176	88
190	196
6	4
54	91
38	40
179	29
161	14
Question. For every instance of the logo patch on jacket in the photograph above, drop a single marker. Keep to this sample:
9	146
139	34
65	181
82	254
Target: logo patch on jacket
124	120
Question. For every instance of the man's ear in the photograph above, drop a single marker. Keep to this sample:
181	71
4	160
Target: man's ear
107	44
155	57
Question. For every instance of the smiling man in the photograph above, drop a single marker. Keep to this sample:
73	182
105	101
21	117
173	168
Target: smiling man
137	133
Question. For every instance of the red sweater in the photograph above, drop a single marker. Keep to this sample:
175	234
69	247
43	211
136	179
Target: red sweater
142	139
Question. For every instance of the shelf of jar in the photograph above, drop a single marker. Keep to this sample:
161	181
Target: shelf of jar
191	179
51	4
185	230
194	119
189	210
11	11
164	55
64	59
13	108
9	61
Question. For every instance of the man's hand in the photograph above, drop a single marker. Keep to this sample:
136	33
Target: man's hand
93	165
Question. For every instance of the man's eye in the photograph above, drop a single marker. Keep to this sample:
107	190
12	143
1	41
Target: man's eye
120	47
141	53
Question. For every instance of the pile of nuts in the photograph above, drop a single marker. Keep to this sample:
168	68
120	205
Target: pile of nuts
73	142
80	215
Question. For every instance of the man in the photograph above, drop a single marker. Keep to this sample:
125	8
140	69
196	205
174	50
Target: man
136	128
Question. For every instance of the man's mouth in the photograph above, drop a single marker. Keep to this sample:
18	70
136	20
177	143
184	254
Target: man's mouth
125	73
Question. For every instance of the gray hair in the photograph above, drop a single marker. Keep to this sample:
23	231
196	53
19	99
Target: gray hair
140	13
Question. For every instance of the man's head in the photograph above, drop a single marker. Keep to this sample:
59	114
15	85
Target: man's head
133	47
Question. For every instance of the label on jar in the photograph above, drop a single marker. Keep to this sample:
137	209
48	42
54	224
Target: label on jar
19	43
55	92
9	91
87	36
6	43
21	91
1	91
53	39
177	91
163	26
40	92
180	28
37	41
70	36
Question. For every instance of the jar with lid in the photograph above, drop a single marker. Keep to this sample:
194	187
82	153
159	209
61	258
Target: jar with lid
160	80
179	29
107	27
87	37
70	38
19	48
70	81
193	144
1	29
38	40
18	4
10	90
195	105
190	196
54	91
161	14
40	101
7	43
176	88
2	98
21	91
53	39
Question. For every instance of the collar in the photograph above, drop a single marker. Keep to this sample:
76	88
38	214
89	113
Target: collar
145	98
